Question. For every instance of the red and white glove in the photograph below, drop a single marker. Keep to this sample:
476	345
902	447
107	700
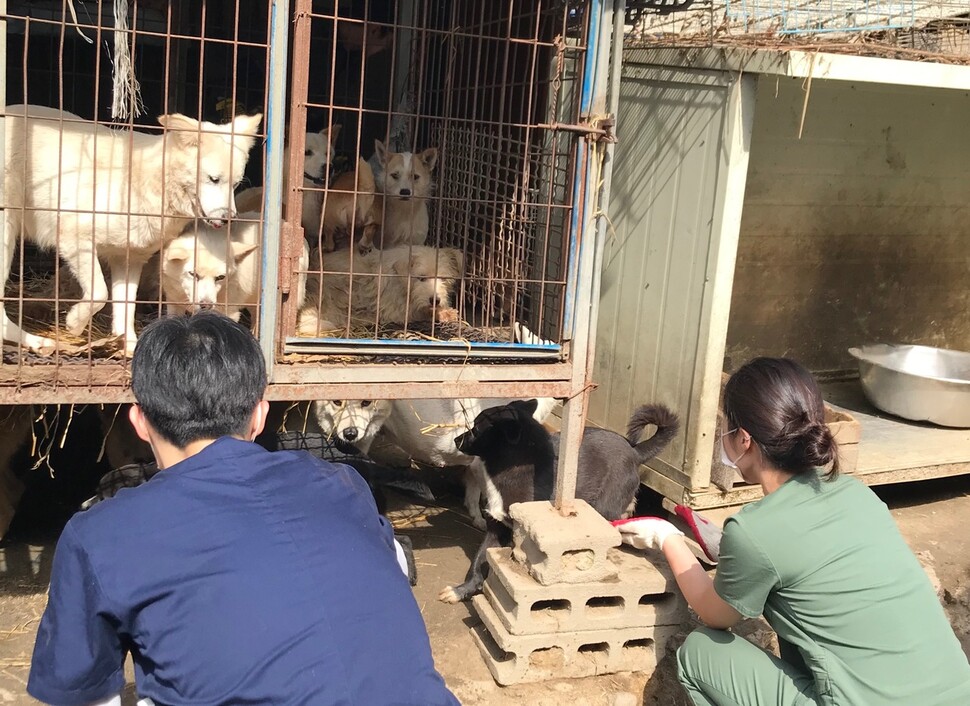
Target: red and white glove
646	532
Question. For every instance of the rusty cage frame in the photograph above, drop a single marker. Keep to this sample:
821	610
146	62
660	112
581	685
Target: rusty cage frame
579	141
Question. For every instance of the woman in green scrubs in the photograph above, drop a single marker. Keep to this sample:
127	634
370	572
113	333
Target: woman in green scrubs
822	560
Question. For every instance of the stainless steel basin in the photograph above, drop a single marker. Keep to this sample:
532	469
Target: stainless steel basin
917	382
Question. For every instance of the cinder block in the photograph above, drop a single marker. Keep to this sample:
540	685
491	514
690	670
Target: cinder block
641	595
562	549
514	659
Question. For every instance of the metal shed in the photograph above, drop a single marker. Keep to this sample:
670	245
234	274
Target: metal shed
782	202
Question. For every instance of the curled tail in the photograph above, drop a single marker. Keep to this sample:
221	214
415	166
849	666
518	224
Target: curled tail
667	425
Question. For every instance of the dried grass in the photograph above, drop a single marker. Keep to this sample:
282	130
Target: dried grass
43	301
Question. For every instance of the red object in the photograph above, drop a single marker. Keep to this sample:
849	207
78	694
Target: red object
617	523
707	534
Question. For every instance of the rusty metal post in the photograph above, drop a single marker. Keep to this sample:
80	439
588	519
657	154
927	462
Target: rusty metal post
292	236
594	102
3	126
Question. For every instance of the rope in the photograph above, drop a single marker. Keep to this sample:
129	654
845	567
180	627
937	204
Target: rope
77	25
126	99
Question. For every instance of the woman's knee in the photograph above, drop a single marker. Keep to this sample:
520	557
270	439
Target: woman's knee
696	650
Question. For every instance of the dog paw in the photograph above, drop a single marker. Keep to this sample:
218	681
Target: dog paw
448	315
40	344
78	318
449	595
479	522
128	347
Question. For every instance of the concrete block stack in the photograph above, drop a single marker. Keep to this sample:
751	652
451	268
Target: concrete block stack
565	601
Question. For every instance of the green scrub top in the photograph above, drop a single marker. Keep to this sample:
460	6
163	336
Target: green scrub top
827	567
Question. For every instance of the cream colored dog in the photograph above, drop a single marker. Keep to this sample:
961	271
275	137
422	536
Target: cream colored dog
206	268
349	208
404	185
400	285
90	193
317	155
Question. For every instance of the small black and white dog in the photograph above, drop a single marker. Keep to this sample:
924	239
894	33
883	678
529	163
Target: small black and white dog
520	458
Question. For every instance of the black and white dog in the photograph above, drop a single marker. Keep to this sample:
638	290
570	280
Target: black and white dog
520	458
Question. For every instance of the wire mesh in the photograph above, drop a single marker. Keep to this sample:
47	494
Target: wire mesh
479	85
100	193
467	100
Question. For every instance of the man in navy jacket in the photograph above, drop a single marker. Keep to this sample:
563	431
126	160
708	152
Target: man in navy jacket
235	575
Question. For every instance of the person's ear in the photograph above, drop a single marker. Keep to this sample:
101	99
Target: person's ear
745	438
139	423
258	421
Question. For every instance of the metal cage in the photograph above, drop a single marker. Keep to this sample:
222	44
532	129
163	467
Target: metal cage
512	98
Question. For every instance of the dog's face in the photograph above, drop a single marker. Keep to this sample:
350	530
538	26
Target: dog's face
317	154
352	424
212	159
406	175
431	277
200	264
496	426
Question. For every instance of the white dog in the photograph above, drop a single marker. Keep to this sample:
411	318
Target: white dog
399	285
403	185
91	192
354	422
317	156
422	430
206	268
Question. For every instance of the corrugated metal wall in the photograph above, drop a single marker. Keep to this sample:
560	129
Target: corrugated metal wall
668	209
858	232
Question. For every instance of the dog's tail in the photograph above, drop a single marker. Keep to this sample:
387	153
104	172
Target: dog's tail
663	418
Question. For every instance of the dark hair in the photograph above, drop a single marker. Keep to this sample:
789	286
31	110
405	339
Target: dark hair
778	402
197	377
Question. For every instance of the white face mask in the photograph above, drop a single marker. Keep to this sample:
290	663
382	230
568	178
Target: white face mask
725	459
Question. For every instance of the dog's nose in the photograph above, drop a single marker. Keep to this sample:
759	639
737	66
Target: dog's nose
206	304
405	192
350	434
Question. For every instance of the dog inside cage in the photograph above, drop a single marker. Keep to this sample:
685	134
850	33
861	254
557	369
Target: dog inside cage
427	190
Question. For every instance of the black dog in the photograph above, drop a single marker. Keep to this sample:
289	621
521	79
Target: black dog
520	458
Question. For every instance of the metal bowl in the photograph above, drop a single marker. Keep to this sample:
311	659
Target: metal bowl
917	382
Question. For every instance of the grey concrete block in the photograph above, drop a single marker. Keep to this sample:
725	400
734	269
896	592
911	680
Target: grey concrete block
640	595
559	548
514	659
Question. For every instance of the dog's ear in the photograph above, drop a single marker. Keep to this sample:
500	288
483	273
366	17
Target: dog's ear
381	151
332	133
456	258
241	250
176	253
246	124
530	406
429	157
185	130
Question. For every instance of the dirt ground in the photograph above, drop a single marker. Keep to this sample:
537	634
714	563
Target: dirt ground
932	516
